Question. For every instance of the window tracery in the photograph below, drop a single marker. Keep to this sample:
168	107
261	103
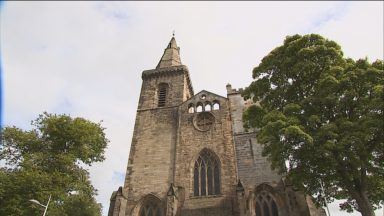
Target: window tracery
206	175
265	205
151	208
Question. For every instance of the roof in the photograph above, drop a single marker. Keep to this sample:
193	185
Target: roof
171	56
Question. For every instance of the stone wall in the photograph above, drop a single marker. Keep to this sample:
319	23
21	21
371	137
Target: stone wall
253	169
167	141
177	77
192	141
151	161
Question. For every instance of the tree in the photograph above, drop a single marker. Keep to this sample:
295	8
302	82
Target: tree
48	160
321	117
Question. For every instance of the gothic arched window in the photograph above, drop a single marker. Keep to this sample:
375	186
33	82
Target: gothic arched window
151	207
191	108
199	107
207	107
162	94
265	205
215	105
206	174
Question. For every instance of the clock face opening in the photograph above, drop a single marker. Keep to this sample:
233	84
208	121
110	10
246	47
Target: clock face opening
204	121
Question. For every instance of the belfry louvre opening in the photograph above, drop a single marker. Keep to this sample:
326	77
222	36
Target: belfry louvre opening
162	95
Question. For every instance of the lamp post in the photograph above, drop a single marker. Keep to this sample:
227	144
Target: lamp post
326	205
45	206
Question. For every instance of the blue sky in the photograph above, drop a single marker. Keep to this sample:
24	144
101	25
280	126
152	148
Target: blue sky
86	58
335	13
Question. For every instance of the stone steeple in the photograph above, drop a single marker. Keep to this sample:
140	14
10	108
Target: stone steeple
188	152
171	56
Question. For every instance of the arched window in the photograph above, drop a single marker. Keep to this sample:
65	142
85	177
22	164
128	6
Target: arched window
191	108
216	105
207	107
151	207
199	107
162	94
265	205
206	175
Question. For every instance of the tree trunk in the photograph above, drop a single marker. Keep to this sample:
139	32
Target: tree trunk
365	207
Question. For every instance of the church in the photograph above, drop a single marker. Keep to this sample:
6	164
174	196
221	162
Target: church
191	156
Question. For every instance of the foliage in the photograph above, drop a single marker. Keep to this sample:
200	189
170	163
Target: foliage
50	160
324	116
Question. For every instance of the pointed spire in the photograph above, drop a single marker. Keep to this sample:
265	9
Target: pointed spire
171	56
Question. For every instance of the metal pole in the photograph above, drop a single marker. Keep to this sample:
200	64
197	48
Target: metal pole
46	207
326	203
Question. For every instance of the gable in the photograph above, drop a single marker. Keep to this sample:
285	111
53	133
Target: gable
209	96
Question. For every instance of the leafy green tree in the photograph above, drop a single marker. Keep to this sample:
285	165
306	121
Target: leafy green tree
50	160
321	117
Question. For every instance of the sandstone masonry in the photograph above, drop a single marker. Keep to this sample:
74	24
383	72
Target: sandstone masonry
191	156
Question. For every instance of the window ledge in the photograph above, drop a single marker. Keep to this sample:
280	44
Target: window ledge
208	196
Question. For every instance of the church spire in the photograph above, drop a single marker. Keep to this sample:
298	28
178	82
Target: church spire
171	56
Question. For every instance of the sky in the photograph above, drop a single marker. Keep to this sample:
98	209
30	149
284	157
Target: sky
85	58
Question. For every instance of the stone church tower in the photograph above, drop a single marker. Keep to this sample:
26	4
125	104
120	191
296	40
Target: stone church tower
190	155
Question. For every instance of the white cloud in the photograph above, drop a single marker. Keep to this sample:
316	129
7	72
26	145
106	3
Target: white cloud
359	31
86	58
